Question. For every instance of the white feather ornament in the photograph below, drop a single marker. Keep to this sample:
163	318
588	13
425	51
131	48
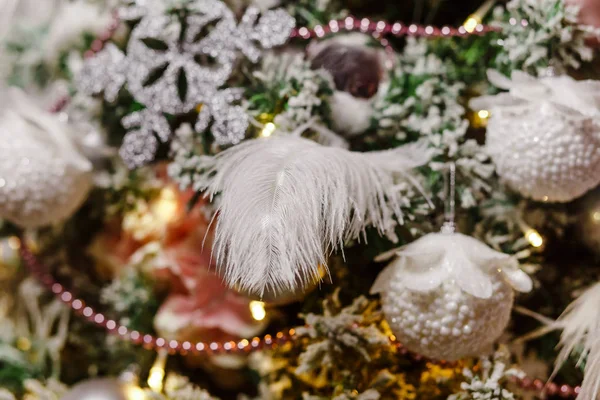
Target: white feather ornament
580	323
287	202
43	177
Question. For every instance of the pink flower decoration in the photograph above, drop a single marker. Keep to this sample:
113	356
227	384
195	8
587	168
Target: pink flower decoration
589	13
200	306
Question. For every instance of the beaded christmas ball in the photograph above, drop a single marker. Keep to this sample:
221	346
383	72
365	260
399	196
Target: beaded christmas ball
544	134
100	389
447	296
447	323
544	153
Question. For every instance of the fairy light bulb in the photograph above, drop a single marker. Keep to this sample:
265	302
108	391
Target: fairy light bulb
14	243
268	129
166	206
257	309
23	344
157	372
534	238
483	114
471	23
531	235
596	217
135	393
476	18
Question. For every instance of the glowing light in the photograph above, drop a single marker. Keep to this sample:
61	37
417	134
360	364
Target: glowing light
268	129
483	114
257	308
23	344
166	206
157	372
133	392
534	238
596	217
14	243
471	23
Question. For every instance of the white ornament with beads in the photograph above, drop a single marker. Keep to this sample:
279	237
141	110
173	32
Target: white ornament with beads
544	135
43	177
448	296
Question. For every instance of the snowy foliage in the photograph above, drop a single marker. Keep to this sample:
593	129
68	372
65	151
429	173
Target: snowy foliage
423	102
339	334
490	383
551	38
294	86
46	42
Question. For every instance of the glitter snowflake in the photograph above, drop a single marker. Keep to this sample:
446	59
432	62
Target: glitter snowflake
177	62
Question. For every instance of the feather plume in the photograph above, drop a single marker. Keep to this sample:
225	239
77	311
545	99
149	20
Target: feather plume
287	202
580	323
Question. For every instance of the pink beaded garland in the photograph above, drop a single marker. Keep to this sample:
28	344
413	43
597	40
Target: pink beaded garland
241	346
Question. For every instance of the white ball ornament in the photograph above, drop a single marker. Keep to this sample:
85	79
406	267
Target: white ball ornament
101	389
544	135
448	296
43	178
358	72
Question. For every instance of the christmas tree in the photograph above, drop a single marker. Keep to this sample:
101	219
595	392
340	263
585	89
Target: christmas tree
314	199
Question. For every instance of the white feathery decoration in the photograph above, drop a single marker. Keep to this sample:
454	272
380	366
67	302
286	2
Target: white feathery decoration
580	323
287	202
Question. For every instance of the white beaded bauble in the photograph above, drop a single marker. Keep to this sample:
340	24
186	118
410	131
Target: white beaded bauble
447	323
43	178
100	389
545	154
448	296
544	135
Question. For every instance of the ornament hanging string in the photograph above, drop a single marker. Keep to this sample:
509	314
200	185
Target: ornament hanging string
450	203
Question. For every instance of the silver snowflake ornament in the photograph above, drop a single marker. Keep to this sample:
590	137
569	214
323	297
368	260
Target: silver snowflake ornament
104	73
176	62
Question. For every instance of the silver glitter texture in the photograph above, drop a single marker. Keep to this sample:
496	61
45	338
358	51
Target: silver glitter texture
149	120
104	72
136	9
161	61
42	180
138	148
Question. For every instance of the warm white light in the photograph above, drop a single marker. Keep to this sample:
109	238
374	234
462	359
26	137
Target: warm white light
134	393
257	308
268	129
483	114
165	207
23	344
596	217
534	238
155	379
471	23
157	372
